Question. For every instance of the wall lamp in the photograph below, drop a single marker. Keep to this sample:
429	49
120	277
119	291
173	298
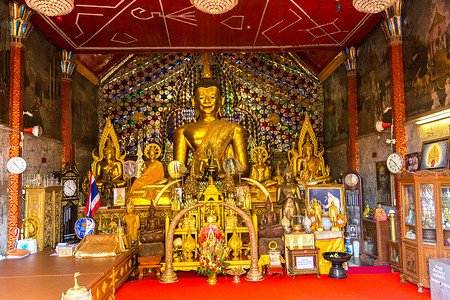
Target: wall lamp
434	117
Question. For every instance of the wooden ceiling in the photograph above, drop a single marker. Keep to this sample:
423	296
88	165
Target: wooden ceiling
102	31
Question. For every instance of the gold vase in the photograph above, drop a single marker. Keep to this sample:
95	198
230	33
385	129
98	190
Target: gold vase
212	280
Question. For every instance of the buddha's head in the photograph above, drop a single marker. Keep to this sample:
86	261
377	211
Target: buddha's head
108	152
207	100
287	175
308	149
130	207
151	210
268	204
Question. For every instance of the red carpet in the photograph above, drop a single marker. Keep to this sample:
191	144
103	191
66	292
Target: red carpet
356	286
369	270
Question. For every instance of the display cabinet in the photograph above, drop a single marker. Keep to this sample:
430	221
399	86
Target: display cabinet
44	203
425	222
395	256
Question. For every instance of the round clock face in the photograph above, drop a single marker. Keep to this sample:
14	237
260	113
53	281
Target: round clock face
130	168
351	179
69	188
394	163
16	165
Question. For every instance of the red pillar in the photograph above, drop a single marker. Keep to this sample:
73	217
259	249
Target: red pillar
392	28
352	95
20	29
67	68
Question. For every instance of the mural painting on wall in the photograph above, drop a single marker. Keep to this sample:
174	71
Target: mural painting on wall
374	86
267	93
42	86
84	111
4	87
427	57
335	125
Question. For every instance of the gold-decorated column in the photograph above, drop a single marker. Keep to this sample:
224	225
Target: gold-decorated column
352	94
67	68
20	28
392	28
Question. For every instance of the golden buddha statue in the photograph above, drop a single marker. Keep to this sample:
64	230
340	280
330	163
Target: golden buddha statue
227	138
109	165
153	169
289	196
132	222
310	166
366	212
152	232
293	156
261	171
316	211
278	178
268	225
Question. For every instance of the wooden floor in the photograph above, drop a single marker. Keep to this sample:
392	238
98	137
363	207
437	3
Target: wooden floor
46	276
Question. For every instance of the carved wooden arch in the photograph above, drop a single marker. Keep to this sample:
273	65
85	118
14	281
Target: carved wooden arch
253	274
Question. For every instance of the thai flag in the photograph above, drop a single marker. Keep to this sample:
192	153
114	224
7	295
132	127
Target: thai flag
94	198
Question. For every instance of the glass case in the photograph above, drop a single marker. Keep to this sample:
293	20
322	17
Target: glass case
445	205
410	220
428	213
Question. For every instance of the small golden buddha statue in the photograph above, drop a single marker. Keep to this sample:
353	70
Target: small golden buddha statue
152	232
261	171
209	166
293	156
227	138
110	164
316	211
211	218
366	212
333	213
278	178
268	225
107	191
132	222
289	196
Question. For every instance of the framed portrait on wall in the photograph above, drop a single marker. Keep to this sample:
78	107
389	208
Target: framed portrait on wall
412	162
383	184
325	195
435	155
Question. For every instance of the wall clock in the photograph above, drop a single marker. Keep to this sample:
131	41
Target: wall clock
394	163
16	165
70	188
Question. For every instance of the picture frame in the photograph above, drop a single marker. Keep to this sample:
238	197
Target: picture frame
119	196
352	229
412	162
383	183
435	155
325	194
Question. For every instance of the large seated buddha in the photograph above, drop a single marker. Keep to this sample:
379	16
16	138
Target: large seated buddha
227	138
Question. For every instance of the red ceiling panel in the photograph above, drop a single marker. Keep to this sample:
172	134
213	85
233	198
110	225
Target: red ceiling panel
131	26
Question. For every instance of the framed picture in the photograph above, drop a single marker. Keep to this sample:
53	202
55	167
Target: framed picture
325	195
353	231
119	196
435	154
383	183
412	162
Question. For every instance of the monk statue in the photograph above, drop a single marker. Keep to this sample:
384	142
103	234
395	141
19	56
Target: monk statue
268	225
227	138
289	196
261	171
132	221
153	169
152	232
311	167
316	211
380	214
333	212
109	164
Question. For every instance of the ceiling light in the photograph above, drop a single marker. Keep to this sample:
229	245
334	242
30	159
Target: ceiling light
51	8
214	7
372	6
